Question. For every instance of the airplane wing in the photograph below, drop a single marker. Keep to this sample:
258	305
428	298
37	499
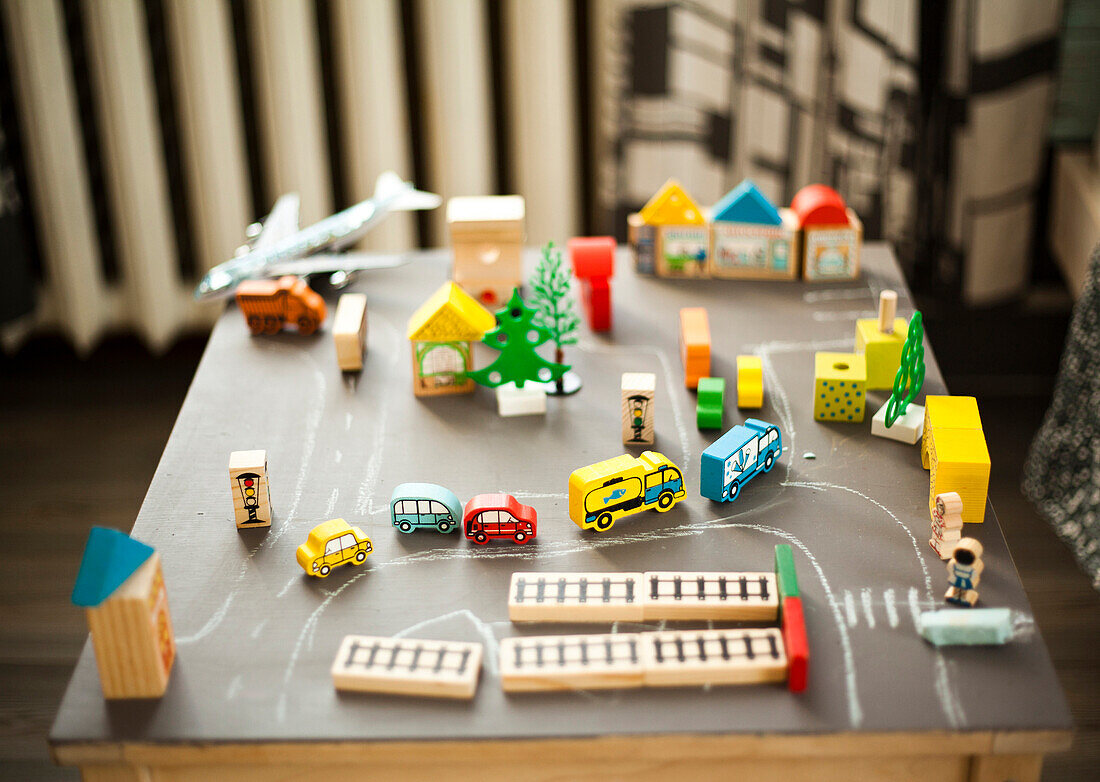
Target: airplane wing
323	263
280	223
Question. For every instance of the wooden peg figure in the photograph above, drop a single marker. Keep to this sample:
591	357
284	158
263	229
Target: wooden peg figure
947	524
964	571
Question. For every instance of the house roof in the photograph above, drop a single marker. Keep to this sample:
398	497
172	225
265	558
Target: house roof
746	204
110	557
819	205
450	315
671	206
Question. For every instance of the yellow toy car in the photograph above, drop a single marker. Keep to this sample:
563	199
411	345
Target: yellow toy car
332	543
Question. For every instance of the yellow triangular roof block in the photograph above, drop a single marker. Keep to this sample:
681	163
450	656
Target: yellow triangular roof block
671	206
450	315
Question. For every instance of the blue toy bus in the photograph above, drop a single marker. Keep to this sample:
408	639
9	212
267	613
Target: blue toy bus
737	457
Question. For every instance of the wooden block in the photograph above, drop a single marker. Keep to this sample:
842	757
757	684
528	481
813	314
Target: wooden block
710	402
406	666
699	657
882	350
682	250
349	331
907	427
487	235
831	252
132	635
513	401
592	256
706	595
575	597
571	662
887	308
251	494
796	642
750	381
596	301
785	576
947	412
840	385
959	462
754	251
637	392
642	238
694	344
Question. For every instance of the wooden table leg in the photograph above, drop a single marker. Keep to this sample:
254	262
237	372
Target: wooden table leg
1006	768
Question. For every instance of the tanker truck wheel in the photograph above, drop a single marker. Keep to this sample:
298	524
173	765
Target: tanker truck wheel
664	501
603	522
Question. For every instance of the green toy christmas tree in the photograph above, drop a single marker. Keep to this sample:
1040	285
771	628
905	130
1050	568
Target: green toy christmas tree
910	376
554	310
516	336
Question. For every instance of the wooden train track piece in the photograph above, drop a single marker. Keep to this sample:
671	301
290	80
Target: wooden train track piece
697	657
571	662
407	666
748	597
575	597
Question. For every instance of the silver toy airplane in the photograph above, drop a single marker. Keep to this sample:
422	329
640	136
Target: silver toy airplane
278	246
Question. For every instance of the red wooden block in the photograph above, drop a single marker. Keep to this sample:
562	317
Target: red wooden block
819	205
592	256
797	643
596	298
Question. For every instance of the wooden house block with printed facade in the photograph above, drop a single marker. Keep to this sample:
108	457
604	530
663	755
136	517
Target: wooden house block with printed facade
831	234
682	235
751	239
487	235
442	332
121	587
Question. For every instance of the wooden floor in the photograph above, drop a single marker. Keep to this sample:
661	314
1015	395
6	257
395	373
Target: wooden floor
79	442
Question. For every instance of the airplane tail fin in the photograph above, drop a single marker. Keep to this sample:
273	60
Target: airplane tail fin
405	198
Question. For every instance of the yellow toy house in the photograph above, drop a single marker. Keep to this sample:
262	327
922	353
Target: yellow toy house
442	332
670	235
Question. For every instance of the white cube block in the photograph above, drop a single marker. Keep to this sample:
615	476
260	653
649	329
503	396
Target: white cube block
908	428
529	400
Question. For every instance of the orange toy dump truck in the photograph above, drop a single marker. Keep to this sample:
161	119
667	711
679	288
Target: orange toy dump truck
268	305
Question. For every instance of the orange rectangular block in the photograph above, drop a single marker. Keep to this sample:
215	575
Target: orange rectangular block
694	344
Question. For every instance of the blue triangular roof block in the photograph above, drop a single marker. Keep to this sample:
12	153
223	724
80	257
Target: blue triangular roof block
110	557
746	204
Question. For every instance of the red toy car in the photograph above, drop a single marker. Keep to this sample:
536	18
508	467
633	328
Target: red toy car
498	516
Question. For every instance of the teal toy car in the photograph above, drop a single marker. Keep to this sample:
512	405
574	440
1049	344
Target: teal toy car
417	505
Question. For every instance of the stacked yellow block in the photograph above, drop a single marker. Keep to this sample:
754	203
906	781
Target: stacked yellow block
750	381
955	452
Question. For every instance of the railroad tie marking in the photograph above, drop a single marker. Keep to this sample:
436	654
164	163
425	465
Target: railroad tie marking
615	597
406	666
631	660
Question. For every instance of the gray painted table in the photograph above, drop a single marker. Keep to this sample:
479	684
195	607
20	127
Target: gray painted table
251	684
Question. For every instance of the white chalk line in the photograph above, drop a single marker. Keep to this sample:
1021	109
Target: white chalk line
235	686
484	630
211	623
868	608
364	503
258	629
850	609
891	608
836	294
670	387
331	507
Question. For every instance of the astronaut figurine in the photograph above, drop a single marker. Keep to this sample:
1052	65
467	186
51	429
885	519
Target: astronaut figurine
964	570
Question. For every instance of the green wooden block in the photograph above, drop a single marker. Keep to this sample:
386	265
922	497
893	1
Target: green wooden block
784	571
840	387
711	401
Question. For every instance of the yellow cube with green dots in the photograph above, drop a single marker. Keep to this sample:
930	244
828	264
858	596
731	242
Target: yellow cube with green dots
840	387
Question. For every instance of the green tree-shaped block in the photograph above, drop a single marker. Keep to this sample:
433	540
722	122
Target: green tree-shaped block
550	285
910	376
516	336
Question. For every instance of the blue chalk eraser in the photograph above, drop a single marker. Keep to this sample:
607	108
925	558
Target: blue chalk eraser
972	627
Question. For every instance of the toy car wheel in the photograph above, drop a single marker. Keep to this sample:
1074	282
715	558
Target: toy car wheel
307	325
603	522
481	538
405	526
444	526
520	537
255	324
769	461
360	556
664	501
272	325
735	489
324	570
